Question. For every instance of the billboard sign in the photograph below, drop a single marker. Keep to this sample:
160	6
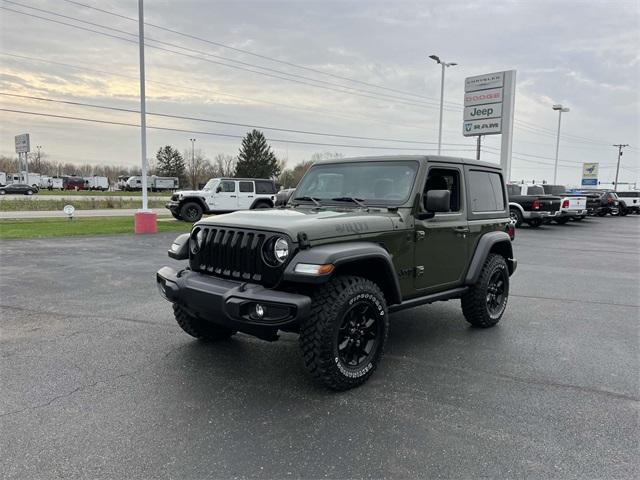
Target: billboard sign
22	143
590	174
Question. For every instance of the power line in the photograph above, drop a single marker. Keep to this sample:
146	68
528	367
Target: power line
278	75
257	55
220	122
216	134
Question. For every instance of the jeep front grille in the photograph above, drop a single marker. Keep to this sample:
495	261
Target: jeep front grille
235	254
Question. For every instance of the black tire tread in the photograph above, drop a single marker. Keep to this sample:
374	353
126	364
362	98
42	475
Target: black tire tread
316	341
474	300
199	328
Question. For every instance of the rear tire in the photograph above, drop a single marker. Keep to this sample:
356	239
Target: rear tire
191	212
343	338
199	328
515	216
485	302
261	205
578	219
562	220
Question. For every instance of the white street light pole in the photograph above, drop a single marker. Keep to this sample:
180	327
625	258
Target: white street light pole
560	110
143	108
444	65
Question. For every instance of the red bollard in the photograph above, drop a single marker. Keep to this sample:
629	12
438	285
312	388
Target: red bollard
145	221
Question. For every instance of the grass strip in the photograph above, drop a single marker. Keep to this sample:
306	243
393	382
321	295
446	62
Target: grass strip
96	203
62	227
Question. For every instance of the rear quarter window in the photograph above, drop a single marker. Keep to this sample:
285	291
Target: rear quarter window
265	187
485	191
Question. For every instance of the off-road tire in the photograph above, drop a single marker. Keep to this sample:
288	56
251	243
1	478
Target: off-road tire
190	212
199	328
320	331
176	216
514	214
562	220
474	301
578	219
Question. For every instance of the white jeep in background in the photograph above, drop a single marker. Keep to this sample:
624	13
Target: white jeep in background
222	195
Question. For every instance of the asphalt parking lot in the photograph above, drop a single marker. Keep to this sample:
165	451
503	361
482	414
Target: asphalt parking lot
98	381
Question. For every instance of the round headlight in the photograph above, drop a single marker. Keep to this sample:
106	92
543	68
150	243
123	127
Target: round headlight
196	241
281	249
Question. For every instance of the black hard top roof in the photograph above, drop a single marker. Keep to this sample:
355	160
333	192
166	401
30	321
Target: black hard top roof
418	158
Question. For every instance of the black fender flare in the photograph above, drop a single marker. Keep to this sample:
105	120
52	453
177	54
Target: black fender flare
260	200
343	254
486	243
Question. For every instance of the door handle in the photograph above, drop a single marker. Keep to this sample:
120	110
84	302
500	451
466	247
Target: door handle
249	196
232	196
461	229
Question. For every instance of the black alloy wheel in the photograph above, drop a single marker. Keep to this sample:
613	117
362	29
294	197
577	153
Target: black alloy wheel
496	293
359	335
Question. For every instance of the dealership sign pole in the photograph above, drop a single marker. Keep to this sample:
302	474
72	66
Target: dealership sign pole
489	101
23	147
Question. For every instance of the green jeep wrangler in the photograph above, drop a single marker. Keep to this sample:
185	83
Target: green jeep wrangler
359	239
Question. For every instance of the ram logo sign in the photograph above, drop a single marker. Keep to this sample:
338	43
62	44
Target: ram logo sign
482	127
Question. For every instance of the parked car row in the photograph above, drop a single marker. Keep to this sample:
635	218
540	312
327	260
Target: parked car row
535	204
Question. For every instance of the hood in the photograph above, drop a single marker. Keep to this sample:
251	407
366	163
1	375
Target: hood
189	193
317	224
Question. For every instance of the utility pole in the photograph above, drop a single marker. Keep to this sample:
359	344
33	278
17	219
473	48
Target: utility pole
444	65
193	163
620	147
560	110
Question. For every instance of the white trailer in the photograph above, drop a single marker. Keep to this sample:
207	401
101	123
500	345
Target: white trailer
97	183
3	178
51	183
154	183
33	178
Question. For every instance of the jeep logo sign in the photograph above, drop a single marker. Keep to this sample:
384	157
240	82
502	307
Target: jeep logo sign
481	112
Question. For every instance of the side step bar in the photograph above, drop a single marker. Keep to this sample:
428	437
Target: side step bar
434	297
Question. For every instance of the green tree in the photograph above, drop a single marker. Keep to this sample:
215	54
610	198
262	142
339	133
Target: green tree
171	164
256	160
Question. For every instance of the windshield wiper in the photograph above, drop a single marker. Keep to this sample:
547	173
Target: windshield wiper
357	201
309	199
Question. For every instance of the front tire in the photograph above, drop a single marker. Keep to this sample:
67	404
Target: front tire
199	328
343	339
191	212
485	302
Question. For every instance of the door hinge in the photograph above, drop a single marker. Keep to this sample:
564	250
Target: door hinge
420	234
419	271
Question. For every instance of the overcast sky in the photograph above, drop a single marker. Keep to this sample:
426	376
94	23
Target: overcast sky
583	54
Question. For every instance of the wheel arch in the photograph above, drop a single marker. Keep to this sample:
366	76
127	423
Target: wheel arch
199	200
261	200
516	206
497	242
363	259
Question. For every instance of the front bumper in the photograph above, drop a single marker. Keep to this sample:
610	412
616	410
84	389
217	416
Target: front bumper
232	303
172	205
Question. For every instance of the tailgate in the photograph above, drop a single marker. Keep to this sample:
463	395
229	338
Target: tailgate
549	204
577	203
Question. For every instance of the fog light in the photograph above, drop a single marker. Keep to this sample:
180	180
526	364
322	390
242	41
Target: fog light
259	310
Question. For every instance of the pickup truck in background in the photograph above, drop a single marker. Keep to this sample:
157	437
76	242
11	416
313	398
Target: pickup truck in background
572	207
629	202
601	202
529	204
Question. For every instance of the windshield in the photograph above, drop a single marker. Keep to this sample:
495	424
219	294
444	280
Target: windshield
210	185
369	182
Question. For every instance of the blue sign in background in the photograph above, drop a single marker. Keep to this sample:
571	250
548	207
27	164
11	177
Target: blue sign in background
589	181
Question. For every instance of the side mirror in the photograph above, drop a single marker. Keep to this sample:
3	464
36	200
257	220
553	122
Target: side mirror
438	201
219	189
